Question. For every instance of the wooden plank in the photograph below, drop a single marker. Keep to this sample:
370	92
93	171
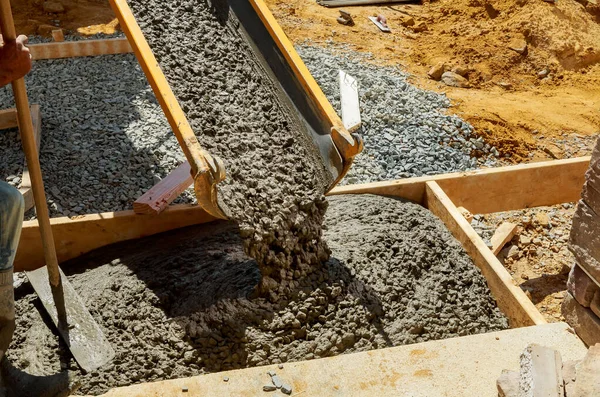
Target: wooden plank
155	200
511	300
349	101
8	118
494	189
502	235
81	234
25	189
81	48
58	35
466	366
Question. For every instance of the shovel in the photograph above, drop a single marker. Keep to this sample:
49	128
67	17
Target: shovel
74	322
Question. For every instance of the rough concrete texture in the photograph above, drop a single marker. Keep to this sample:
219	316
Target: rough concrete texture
569	376
582	319
588	374
275	179
591	189
584	239
508	384
581	286
541	372
175	305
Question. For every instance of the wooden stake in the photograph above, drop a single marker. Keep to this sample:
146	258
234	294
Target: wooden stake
502	235
29	147
155	200
8	119
58	35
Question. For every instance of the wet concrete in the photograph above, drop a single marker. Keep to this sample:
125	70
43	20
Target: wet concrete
177	304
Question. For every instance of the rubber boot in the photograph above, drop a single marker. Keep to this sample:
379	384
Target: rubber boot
7	310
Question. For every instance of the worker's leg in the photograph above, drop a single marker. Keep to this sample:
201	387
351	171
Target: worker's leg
11	219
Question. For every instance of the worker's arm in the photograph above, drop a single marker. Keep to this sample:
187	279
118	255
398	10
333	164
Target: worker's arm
15	60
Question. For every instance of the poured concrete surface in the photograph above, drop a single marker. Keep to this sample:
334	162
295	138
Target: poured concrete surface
461	367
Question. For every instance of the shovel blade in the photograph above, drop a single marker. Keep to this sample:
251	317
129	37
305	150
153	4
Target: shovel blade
80	331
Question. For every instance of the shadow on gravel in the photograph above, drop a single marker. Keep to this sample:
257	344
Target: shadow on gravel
103	137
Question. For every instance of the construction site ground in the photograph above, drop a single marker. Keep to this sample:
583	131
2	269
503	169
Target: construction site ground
542	105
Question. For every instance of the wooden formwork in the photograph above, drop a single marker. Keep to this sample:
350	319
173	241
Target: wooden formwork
482	191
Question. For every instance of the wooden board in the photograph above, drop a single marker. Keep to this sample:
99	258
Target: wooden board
349	101
503	234
511	300
466	366
25	189
495	189
155	200
82	48
8	118
76	236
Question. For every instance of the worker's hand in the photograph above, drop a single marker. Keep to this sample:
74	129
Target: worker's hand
15	60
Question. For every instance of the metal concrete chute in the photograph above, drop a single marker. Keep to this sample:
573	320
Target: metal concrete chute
295	86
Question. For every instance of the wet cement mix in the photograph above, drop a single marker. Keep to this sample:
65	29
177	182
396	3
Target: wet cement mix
275	179
176	304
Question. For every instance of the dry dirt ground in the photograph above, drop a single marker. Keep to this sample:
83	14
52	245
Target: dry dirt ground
542	104
537	257
563	38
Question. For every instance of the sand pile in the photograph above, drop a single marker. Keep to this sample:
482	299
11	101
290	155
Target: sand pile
561	36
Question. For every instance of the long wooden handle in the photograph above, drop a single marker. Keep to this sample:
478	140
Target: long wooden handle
31	154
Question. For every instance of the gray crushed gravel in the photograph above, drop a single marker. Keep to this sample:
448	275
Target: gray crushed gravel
404	128
176	305
105	140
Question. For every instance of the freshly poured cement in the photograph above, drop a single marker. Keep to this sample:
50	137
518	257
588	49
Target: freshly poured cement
275	178
175	305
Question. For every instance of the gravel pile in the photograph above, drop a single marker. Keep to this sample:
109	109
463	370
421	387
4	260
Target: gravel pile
404	130
176	305
105	140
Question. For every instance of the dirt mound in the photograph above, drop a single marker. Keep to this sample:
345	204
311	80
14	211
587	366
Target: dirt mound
76	16
515	99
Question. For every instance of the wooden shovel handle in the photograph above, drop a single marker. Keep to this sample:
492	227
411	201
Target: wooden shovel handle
31	154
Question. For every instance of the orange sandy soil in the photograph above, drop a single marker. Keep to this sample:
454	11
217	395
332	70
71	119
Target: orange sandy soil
565	38
81	16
